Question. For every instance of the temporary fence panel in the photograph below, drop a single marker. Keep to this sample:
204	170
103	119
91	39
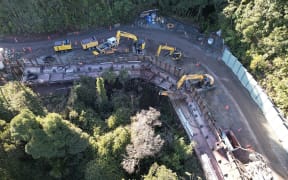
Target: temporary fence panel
226	56
259	96
241	72
244	79
232	61
236	67
251	83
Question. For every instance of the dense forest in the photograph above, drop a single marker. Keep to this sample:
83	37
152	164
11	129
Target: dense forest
255	30
100	129
257	33
93	131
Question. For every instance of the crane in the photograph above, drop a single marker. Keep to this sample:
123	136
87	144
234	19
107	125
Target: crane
204	81
175	54
139	44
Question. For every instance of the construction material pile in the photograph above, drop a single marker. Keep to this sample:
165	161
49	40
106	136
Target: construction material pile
257	169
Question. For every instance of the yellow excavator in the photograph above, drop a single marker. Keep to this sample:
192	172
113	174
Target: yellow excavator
173	52
202	81
139	44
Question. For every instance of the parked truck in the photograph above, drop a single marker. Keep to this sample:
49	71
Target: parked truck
89	43
62	46
107	47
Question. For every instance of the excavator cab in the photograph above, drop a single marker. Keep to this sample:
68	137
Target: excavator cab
176	55
139	44
173	52
200	81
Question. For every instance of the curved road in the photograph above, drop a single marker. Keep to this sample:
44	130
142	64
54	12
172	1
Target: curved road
242	115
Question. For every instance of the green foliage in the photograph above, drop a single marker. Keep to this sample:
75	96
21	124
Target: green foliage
102	169
5	112
82	94
109	146
121	99
113	144
48	137
258	65
36	16
120	117
109	76
257	33
123	76
48	147
122	10
87	120
180	152
14	97
157	172
23	126
101	91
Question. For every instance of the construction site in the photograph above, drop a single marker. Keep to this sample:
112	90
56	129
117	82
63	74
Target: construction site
233	138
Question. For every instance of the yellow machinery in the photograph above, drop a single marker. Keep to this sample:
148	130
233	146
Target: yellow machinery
64	45
89	43
175	54
165	93
139	44
204	81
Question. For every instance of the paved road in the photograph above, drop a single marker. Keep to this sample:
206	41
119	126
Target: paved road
243	116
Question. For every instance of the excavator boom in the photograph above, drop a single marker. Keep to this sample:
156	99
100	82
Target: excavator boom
176	55
207	79
120	34
139	44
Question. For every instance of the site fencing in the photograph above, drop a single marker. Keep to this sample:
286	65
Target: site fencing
274	118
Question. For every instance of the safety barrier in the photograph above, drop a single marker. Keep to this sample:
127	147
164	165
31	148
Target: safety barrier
269	110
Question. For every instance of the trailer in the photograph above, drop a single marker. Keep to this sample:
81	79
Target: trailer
89	43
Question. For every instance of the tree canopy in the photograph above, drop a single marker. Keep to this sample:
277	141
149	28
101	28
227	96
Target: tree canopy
157	172
14	96
48	137
144	141
257	32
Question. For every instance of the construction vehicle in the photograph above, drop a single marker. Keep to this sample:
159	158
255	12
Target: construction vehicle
201	81
139	44
89	43
173	52
107	47
62	46
175	95
164	93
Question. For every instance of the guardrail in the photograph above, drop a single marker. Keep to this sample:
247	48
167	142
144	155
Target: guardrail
269	110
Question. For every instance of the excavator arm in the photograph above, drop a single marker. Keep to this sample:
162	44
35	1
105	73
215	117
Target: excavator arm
139	44
120	34
176	55
207	79
165	47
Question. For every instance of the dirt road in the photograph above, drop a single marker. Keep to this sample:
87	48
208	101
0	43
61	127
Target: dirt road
230	103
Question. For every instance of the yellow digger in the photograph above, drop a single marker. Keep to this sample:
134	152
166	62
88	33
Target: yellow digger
139	44
173	52
202	81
